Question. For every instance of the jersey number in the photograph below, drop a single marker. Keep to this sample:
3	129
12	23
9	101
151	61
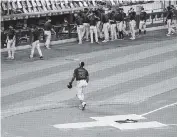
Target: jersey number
81	75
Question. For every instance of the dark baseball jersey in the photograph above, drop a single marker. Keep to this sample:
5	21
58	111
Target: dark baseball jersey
85	19
124	14
48	26
36	35
79	20
169	14
92	20
81	74
119	17
112	18
143	16
11	33
105	18
132	15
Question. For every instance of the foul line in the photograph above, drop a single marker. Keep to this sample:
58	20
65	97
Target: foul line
173	104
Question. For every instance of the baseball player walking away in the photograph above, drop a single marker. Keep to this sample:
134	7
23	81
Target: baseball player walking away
82	77
11	40
35	42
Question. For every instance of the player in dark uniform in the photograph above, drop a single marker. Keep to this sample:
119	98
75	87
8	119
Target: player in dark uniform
86	25
113	26
142	25
80	27
11	40
132	16
119	21
106	25
124	22
82	77
169	19
35	41
174	10
48	33
93	29
99	24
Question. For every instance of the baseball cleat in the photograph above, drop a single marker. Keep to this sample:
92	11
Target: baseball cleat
8	57
132	38
83	105
41	57
104	41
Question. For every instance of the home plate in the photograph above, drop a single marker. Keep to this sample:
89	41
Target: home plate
121	122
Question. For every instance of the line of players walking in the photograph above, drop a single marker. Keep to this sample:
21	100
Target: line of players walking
99	24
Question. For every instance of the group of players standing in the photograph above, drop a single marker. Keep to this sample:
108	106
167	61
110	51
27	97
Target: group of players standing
99	24
108	23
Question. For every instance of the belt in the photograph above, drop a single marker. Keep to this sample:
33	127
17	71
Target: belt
80	79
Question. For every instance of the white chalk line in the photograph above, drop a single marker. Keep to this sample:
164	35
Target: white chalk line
166	106
171	124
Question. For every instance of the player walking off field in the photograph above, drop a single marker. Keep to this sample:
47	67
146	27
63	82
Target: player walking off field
169	19
35	42
82	77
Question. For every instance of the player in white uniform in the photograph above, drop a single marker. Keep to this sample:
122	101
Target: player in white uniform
82	77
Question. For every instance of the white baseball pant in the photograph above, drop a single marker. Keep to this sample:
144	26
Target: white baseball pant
170	29
132	28
80	29
113	32
93	30
106	31
81	85
36	45
99	28
11	48
142	25
48	38
86	30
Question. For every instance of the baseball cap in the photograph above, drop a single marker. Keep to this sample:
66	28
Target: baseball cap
82	64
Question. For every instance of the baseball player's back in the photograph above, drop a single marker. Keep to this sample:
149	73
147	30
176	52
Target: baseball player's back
81	73
82	78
